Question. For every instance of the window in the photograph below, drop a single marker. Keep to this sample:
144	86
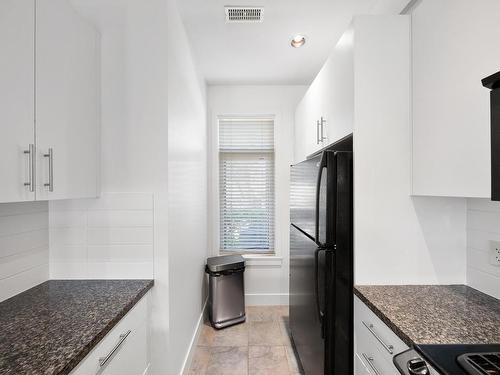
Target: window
246	185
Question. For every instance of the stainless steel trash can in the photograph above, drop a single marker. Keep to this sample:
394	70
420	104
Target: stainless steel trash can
226	292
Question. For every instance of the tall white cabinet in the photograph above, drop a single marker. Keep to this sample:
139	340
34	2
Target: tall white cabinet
325	113
67	102
49	102
455	45
17	111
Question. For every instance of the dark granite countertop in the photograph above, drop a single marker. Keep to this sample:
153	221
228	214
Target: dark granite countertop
50	328
435	314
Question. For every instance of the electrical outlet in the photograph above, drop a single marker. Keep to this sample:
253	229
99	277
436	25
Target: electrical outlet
495	253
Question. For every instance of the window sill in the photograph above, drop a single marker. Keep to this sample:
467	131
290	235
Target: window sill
263	260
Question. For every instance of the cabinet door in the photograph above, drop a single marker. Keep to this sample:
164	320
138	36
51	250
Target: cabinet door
359	366
306	116
331	98
336	98
16	97
455	45
67	102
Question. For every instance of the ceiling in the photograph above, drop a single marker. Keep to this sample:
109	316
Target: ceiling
260	53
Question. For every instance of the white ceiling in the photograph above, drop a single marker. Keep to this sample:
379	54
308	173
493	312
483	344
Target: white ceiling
260	53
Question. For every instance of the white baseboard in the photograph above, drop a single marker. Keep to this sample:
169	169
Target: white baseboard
266	299
192	345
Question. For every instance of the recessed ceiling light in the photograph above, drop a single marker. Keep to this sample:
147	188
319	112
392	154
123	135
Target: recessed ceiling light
298	41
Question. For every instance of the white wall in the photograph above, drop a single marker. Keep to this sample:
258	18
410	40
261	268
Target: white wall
399	239
266	279
483	226
187	191
153	145
134	131
24	247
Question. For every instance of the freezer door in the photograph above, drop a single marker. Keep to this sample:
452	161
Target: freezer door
307	282
304	178
339	304
322	191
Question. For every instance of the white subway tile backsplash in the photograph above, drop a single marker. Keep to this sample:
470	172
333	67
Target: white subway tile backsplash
102	236
21	208
18	263
24	246
68	253
68	236
484	221
16	243
480	260
21	223
22	281
119	218
68	270
484	282
64	219
120	270
122	201
483	205
483	225
108	237
120	253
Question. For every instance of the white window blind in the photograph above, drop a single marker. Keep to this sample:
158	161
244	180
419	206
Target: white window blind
246	185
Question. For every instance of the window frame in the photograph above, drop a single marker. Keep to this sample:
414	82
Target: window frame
214	193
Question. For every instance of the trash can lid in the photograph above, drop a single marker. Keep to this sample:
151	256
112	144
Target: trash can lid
225	262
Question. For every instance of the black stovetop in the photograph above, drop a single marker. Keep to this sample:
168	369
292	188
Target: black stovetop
444	357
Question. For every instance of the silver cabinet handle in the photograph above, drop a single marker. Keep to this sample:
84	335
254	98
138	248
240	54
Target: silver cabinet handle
369	360
317	132
123	337
50	155
322	123
31	169
389	348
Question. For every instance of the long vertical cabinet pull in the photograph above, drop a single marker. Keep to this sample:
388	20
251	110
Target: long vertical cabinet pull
369	361
322	124
50	184
318	140
31	169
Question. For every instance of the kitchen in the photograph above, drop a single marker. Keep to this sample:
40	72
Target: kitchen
119	119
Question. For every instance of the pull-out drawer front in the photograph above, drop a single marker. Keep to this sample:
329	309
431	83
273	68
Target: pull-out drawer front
367	324
371	356
126	346
360	368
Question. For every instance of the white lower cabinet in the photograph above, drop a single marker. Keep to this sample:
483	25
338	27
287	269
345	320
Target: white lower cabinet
126	346
359	366
375	344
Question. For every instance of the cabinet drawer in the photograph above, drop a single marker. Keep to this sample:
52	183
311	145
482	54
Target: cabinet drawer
371	362
131	356
360	368
372	357
366	323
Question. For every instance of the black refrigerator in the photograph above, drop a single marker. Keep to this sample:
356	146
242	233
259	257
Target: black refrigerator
321	260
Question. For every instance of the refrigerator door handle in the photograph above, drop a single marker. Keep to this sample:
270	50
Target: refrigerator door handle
320	312
322	165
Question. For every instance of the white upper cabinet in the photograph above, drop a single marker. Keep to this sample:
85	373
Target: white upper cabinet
67	102
455	45
325	114
49	102
16	99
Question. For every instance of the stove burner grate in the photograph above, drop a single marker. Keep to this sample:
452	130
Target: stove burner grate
480	363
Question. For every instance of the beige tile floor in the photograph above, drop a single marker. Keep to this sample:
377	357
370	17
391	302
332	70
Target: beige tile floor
260	346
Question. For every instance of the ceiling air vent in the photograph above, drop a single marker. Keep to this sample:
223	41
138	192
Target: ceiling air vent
244	14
